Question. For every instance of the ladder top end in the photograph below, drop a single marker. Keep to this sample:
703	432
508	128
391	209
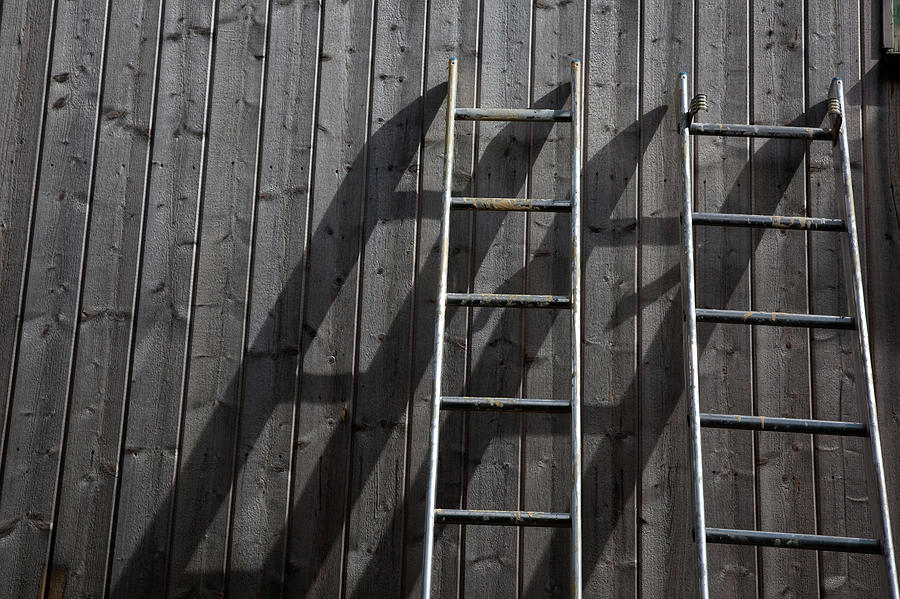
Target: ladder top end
682	74
836	79
576	61
452	59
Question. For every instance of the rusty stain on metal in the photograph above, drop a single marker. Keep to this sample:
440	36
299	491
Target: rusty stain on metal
507	300
511	204
513	114
805	223
777	131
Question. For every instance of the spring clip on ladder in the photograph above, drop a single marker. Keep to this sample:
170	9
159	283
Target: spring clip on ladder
572	406
837	134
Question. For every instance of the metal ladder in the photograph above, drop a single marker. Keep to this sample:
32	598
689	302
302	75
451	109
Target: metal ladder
837	134
433	514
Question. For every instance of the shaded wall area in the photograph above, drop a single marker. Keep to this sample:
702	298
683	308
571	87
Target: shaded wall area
218	267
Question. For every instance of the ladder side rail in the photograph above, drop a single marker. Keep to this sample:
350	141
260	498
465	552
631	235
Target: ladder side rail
856	297
431	494
577	582
689	308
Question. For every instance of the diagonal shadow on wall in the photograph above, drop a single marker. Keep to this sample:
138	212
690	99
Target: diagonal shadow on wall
307	502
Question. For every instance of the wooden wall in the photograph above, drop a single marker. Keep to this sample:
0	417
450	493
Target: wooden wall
218	262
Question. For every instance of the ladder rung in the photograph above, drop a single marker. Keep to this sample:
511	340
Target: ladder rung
506	404
790	540
507	300
503	518
731	130
784	425
777	319
770	222
512	114
511	204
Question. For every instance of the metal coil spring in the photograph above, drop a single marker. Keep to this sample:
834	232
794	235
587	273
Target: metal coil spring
834	106
698	103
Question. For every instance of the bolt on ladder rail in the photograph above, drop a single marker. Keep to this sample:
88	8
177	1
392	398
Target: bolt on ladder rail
837	134
572	406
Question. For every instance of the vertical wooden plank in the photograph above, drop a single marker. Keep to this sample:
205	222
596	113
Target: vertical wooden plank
492	459
379	413
557	38
609	257
39	398
722	258
880	100
781	355
667	554
25	33
329	323
93	435
265	440
833	41
212	400
147	460
452	31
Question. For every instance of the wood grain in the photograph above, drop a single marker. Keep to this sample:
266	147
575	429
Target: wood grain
159	348
841	462
722	256
785	489
612	149
666	554
265	437
25	32
546	481
320	477
41	384
238	294
91	448
879	101
384	360
218	328
452	31
496	356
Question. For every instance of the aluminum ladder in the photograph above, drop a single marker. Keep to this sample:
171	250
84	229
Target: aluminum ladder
433	514
837	135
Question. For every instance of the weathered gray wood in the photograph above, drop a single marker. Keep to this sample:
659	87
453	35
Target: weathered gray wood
147	463
25	32
213	399
781	355
38	402
666	511
546	479
722	184
93	436
290	497
452	31
840	462
612	149
374	547
495	342
881	164
265	440
318	511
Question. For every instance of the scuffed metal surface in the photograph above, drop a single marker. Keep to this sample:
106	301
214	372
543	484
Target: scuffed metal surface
771	222
732	130
507	300
513	114
778	319
503	517
511	204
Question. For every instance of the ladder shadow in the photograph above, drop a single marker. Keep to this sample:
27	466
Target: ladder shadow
152	564
666	343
